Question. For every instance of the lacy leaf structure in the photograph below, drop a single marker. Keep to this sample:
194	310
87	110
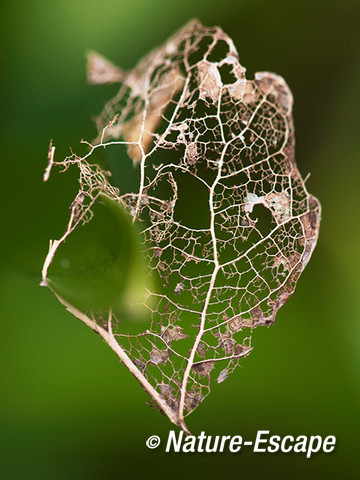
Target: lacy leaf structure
226	221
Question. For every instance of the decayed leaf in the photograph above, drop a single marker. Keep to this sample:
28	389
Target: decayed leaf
222	376
203	368
190	117
159	356
209	81
139	131
173	333
100	70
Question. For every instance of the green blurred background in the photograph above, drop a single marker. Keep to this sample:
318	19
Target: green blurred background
68	408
